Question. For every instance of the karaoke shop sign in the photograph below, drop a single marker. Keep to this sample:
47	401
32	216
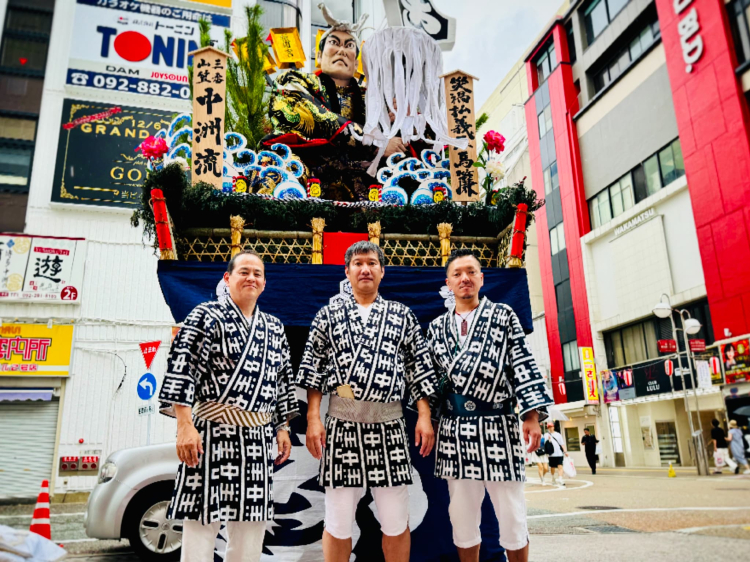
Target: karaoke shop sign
41	269
137	47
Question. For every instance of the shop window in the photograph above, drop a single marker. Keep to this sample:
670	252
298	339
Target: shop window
557	239
632	344
614	423
572	439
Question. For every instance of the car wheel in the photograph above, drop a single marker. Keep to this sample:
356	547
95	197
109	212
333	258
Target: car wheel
152	536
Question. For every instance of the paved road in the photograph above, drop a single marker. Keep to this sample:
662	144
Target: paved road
627	514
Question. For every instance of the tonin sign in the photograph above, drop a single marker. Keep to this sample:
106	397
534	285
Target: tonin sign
136	46
689	28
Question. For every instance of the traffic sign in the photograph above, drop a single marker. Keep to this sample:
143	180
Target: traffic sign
146	386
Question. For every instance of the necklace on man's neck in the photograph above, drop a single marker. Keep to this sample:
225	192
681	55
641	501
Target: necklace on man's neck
464	323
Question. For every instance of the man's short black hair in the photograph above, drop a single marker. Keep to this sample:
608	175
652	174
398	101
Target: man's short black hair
364	247
231	264
586	429
461	253
715	423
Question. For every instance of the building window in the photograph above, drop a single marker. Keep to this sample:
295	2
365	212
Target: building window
572	439
16	150
571	42
632	344
739	16
599	14
546	62
644	180
545	121
26	38
551	179
570	357
557	239
624	58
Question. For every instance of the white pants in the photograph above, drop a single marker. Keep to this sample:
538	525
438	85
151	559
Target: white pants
466	512
245	541
341	508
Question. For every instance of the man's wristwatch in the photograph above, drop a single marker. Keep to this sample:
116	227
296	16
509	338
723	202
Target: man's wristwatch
284	427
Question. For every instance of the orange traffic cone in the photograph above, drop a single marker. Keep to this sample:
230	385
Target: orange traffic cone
40	520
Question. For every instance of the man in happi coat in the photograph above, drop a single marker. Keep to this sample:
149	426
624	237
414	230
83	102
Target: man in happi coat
488	379
367	354
230	385
312	113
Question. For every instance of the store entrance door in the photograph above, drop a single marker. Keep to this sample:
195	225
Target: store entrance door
668	448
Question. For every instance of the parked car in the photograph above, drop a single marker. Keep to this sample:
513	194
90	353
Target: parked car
131	499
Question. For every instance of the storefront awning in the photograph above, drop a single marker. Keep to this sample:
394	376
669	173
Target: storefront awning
24	394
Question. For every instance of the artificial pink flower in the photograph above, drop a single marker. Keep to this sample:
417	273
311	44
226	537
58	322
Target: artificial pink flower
153	148
495	141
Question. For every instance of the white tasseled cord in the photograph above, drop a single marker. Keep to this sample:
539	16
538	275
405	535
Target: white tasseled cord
404	64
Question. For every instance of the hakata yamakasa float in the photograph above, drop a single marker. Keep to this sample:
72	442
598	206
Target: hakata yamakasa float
379	144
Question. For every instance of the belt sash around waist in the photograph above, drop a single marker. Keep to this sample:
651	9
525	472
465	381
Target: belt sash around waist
465	406
229	414
363	411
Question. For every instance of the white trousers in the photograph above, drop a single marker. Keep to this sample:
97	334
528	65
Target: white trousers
341	508
245	541
466	512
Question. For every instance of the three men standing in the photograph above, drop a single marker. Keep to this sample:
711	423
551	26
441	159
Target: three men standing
367	354
483	359
229	383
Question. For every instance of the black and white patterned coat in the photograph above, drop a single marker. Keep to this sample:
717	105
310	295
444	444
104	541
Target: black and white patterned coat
493	365
383	361
220	356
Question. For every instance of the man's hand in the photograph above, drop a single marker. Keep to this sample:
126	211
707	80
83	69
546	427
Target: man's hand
394	145
285	446
315	438
189	443
424	433
532	433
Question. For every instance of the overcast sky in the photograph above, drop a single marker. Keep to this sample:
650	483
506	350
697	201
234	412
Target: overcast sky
491	35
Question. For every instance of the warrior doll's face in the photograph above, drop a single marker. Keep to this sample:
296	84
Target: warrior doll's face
338	59
365	273
247	280
465	278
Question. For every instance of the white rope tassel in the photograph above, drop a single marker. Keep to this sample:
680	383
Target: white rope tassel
404	65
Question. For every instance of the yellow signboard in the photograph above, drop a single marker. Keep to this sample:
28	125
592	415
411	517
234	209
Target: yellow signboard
588	367
34	350
217	3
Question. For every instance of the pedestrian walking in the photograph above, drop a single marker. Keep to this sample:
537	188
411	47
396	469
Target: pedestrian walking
589	446
230	384
367	354
555	448
721	452
737	445
540	459
484	361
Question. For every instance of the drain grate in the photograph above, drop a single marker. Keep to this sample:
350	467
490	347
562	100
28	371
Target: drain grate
598	507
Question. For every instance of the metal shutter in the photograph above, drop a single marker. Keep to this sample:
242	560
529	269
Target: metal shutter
27	446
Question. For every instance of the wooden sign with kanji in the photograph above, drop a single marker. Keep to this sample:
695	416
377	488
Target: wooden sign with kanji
209	103
459	94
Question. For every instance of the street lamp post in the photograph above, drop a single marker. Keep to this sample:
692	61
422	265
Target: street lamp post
690	326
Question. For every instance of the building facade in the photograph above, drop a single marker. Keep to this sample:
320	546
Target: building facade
637	132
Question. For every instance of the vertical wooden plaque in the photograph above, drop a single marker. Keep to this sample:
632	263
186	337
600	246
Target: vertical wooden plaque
459	93
209	104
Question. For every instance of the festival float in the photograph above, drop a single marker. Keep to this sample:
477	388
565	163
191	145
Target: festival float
381	146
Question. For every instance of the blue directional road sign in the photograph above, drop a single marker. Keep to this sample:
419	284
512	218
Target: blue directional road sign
146	386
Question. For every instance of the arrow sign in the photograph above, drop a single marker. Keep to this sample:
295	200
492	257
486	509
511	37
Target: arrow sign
149	350
146	386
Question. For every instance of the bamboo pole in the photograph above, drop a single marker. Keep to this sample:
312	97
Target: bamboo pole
236	223
317	231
